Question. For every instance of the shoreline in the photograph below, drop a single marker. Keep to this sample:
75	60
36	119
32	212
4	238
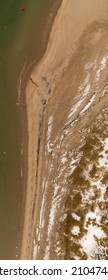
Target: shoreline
72	18
23	114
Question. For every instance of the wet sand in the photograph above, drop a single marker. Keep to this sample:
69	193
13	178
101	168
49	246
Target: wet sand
72	19
24	123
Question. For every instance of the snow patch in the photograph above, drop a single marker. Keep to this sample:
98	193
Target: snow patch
75	230
75	216
88	105
102	67
50	121
63	160
88	242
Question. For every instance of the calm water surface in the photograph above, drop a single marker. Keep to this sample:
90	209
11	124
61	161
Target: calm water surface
20	40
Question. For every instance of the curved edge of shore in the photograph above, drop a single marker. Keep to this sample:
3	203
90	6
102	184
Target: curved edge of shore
72	18
28	223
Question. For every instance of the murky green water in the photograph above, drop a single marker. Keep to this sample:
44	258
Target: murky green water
20	41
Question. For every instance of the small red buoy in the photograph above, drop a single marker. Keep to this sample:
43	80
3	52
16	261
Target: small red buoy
23	8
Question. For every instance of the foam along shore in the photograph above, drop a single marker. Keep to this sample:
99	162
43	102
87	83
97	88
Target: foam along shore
72	18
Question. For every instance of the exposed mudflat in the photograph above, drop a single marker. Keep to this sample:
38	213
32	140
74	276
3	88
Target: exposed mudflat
67	107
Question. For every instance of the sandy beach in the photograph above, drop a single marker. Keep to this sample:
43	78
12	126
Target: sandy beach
76	37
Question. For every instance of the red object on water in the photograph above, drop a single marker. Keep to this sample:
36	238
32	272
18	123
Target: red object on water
22	8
